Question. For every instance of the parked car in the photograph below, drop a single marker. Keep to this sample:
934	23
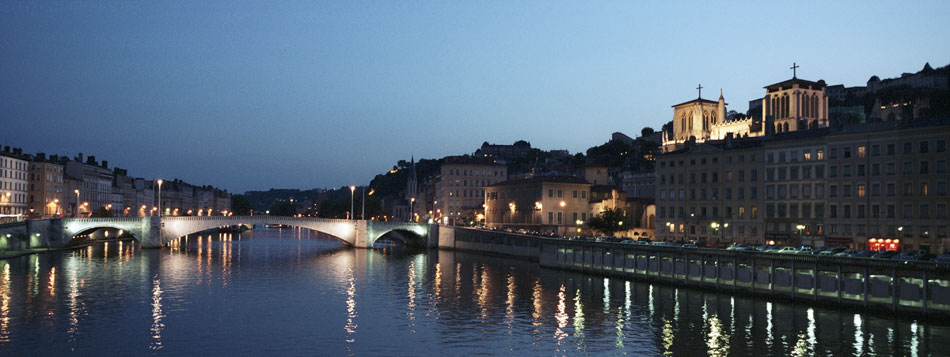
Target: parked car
845	253
831	251
942	258
806	250
884	254
788	250
913	255
862	254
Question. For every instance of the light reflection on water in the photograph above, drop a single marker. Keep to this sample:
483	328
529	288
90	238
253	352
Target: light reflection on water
290	292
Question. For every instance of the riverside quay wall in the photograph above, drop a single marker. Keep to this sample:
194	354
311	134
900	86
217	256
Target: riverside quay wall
874	284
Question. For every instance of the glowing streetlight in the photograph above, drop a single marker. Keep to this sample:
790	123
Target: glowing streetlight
77	202
352	191
411	201
160	181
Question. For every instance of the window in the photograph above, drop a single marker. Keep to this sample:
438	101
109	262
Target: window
908	211
833	153
925	167
908	168
908	148
924	189
574	193
908	189
876	170
924	147
847	211
833	171
941	145
891	149
891	211
833	191
846	152
861	151
861	191
833	211
875	150
941	166
846	190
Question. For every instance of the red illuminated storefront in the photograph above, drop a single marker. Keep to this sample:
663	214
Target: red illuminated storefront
879	244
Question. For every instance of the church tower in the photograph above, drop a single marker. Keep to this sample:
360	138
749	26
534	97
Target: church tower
796	104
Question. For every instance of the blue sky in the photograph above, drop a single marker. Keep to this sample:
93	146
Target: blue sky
253	94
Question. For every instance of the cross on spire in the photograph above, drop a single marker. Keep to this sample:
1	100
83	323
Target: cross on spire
700	88
794	67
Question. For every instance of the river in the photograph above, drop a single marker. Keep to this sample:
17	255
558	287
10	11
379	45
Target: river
292	291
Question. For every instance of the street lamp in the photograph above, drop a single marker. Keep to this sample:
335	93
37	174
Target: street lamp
800	228
77	203
411	201
352	190
160	181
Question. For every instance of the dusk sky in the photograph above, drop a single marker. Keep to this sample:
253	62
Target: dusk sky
252	95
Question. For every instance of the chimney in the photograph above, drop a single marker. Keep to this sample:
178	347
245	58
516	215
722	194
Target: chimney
40	156
91	160
6	148
105	164
79	157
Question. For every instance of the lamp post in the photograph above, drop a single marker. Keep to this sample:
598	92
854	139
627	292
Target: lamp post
352	190
77	203
160	181
715	227
411	201
363	203
801	228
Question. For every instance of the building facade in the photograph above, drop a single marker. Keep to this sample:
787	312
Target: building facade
14	184
711	192
459	190
888	183
47	190
640	185
557	204
795	177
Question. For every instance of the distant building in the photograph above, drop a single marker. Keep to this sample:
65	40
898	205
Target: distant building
711	192
517	151
14	184
640	185
595	174
791	105
459	189
543	203
47	190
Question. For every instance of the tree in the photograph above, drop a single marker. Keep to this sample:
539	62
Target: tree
240	205
608	221
646	131
283	208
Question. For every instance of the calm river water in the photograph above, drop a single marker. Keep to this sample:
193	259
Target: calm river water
289	291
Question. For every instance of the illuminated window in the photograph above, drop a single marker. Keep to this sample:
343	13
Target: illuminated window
861	191
861	151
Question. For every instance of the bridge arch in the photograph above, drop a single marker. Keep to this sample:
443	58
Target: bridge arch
175	227
138	228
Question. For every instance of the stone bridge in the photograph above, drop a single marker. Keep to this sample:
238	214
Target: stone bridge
158	231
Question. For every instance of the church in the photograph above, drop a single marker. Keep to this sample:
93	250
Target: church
791	105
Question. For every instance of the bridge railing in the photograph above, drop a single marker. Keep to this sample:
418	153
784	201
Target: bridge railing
239	219
104	219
